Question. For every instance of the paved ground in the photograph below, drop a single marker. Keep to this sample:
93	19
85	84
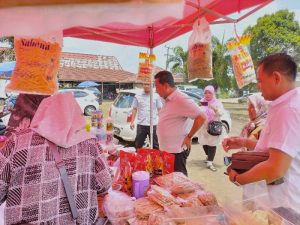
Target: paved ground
217	182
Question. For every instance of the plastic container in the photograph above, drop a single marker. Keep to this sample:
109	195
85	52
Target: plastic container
101	135
255	211
109	138
203	215
97	118
109	125
140	183
118	207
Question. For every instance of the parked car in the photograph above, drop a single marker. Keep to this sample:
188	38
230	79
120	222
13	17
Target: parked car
121	113
95	91
185	87
225	118
86	99
197	91
244	98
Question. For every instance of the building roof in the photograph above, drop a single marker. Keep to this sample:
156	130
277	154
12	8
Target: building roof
99	68
178	78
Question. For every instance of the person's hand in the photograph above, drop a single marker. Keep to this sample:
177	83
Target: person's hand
233	143
232	175
132	125
214	108
187	142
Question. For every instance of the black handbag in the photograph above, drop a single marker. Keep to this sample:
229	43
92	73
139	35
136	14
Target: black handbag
215	128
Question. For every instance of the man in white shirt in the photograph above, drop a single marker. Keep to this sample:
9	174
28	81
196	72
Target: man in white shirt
141	106
280	136
174	135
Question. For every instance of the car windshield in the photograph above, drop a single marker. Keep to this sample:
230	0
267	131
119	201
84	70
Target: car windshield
124	100
193	96
197	91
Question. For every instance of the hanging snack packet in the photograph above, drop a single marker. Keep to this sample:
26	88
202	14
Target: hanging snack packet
200	53
242	63
36	65
145	69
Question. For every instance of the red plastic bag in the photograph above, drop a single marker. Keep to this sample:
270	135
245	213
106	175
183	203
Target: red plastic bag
161	162
127	167
200	52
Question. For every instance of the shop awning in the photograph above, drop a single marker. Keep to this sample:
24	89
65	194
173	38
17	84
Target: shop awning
138	23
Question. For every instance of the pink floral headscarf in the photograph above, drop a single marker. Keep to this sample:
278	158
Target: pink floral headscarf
213	102
261	109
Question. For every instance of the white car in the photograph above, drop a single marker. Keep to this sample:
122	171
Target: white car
86	99
121	113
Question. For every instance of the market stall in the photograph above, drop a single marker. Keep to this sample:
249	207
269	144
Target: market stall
105	22
172	196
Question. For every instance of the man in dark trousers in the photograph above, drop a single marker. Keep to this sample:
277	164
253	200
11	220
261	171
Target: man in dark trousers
141	108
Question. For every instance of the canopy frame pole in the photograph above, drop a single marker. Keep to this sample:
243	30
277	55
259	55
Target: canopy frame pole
151	37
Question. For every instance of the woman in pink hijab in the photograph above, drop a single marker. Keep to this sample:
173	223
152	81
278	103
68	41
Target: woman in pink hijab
214	110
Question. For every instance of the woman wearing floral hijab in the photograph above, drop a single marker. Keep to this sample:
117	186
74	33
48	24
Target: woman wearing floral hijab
23	112
214	110
257	111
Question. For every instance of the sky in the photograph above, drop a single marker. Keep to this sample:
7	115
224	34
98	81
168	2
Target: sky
128	55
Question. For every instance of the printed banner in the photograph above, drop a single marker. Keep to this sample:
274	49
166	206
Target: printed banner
242	63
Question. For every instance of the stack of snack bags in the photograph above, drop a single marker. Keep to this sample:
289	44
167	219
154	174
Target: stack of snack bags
176	200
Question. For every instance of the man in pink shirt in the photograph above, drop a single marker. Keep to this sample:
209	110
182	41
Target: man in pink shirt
276	77
173	130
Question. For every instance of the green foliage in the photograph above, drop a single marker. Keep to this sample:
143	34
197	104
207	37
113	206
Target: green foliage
179	61
278	32
220	64
9	54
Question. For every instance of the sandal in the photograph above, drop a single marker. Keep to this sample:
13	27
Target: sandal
212	168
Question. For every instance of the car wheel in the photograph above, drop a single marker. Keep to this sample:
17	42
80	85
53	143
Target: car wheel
225	124
89	109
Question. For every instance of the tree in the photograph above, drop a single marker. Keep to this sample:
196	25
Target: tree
278	32
179	60
8	54
220	64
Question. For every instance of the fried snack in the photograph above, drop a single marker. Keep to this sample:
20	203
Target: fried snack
207	198
200	61
190	199
162	196
177	183
144	207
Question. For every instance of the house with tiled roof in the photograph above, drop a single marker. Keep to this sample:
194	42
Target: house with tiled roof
178	77
105	70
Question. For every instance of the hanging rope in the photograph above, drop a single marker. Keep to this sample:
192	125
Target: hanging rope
236	34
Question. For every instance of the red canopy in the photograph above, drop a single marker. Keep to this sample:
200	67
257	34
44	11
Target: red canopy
154	34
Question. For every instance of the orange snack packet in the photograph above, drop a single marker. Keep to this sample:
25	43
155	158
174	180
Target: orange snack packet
36	66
